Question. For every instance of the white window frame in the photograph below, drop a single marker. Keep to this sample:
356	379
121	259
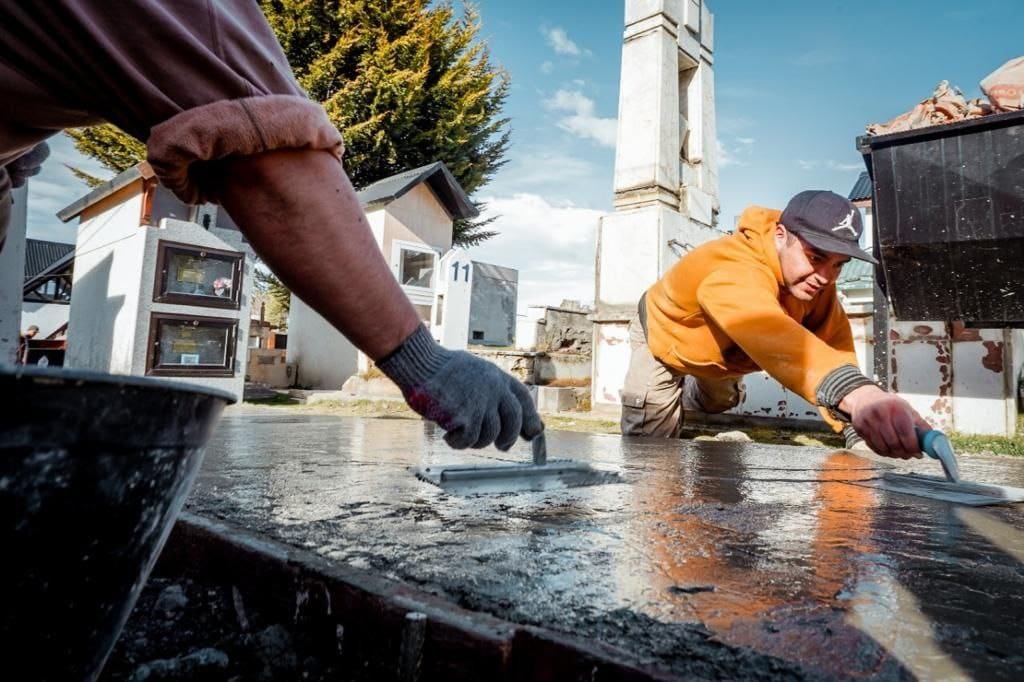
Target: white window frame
418	295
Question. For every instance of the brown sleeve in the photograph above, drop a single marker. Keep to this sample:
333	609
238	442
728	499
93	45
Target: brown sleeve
240	127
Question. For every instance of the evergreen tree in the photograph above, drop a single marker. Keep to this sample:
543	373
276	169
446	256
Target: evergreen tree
271	291
406	81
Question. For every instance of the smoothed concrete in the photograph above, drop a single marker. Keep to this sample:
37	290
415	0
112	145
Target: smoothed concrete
740	554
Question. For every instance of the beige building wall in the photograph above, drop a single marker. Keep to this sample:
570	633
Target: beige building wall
421	208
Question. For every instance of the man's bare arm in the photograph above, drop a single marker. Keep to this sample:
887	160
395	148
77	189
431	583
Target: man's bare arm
301	214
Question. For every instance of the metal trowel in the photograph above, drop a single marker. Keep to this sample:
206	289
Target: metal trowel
935	444
541	474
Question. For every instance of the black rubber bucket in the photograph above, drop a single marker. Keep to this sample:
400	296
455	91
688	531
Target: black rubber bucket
94	469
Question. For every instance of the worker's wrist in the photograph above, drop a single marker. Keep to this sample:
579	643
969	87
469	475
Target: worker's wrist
415	360
837	386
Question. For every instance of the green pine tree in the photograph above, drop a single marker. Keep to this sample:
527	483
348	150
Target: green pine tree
406	81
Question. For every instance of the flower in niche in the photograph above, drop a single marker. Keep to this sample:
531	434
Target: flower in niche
222	286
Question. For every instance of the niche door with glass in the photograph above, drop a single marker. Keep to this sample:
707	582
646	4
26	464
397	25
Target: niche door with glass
188	345
191	275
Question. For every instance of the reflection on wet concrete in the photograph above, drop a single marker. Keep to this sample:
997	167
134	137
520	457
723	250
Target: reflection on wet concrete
766	548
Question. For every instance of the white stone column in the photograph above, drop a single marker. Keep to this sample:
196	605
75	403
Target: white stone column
666	171
12	277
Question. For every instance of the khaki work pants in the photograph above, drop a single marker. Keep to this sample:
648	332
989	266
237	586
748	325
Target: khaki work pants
654	397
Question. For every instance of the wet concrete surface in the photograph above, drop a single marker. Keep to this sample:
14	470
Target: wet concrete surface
709	559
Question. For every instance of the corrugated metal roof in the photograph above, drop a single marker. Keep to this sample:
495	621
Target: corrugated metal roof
861	189
856	274
436	174
40	255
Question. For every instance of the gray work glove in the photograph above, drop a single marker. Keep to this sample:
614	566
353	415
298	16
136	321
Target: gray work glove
471	399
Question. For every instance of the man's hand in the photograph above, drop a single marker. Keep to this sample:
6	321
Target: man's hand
471	399
885	421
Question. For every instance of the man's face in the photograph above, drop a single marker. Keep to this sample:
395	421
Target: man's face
806	271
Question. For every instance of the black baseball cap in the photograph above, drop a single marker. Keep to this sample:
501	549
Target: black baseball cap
826	221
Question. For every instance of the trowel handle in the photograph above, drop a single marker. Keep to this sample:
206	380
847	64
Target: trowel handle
926	440
540	449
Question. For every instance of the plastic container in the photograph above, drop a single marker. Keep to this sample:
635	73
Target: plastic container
94	469
949	217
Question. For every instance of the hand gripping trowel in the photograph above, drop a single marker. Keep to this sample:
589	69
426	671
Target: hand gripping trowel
936	445
541	474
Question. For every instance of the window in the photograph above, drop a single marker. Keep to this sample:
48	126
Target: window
439	306
416	268
478	335
424	312
196	276
182	345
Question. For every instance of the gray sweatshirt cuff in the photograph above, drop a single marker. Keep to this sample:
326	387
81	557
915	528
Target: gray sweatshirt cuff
836	385
850	435
415	360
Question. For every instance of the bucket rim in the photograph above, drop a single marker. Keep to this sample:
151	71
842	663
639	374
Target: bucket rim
59	374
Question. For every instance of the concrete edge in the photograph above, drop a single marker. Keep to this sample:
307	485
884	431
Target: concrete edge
371	611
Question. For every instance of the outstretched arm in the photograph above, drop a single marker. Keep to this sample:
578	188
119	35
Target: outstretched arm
299	211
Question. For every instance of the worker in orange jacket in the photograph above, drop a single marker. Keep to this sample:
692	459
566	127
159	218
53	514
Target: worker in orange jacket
763	298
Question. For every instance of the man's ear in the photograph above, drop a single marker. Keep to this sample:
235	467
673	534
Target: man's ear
781	235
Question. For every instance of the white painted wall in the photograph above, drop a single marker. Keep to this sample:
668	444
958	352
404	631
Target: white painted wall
1017	358
960	380
47	316
418	216
105	288
455	285
983	396
610	362
627	262
12	277
528	327
323	357
376	219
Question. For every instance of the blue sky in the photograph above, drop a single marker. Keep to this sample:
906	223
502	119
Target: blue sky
796	82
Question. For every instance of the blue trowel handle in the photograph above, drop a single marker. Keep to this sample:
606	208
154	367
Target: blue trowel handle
926	439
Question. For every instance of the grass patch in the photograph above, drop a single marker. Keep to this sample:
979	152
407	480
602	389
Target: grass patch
396	409
281	399
996	445
584	424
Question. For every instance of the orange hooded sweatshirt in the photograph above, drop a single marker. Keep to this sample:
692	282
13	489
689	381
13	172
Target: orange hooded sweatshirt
723	311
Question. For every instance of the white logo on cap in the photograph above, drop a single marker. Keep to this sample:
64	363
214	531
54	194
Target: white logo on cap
846	224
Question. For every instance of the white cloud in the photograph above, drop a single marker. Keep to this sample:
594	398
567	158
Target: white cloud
582	120
534	169
546	68
725	157
551	245
836	165
55	187
560	42
729	156
830	165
